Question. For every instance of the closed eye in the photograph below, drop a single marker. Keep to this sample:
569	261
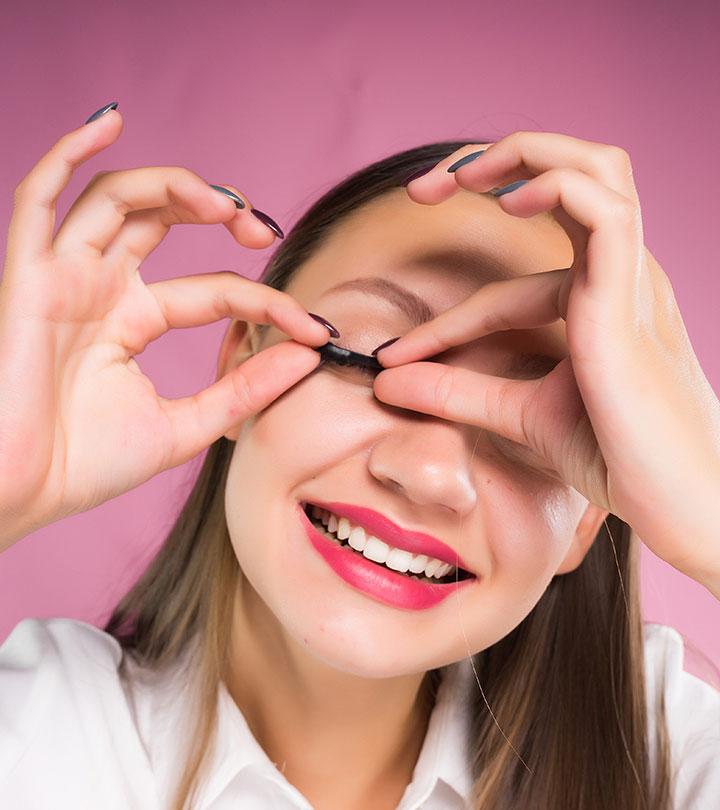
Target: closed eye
362	371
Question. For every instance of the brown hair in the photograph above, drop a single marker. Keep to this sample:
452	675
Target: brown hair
560	721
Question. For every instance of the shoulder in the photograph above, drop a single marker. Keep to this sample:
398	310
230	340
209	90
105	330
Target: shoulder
34	640
664	650
55	671
47	650
692	710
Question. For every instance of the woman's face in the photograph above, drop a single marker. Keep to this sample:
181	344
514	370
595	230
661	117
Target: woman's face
329	439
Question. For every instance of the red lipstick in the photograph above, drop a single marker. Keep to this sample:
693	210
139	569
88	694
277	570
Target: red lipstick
383	528
391	587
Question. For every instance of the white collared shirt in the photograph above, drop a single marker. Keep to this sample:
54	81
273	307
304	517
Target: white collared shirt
70	737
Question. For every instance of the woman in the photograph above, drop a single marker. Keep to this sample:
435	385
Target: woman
412	588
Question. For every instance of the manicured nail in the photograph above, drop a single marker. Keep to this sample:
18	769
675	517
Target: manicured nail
467	159
111	106
511	187
333	331
383	345
233	196
269	221
418	173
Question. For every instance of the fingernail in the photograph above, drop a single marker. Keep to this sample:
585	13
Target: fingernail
269	221
111	106
467	159
383	345
233	196
511	187
418	173
333	331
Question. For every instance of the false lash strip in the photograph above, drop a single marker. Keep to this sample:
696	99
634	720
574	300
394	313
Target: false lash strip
345	357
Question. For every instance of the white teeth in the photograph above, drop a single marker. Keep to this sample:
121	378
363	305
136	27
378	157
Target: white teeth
399	560
417	566
375	549
357	539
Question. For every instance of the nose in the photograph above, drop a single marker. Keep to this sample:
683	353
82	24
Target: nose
428	461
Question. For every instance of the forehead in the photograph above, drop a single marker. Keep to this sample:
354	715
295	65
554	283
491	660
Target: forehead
442	253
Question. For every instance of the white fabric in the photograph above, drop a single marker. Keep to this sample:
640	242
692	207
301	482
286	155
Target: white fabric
70	738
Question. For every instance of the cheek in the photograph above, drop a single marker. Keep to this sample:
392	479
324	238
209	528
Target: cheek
310	427
317	422
530	528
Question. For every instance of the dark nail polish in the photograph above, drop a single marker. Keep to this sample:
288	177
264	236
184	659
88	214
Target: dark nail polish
511	187
233	196
418	173
333	331
467	159
269	221
111	106
383	345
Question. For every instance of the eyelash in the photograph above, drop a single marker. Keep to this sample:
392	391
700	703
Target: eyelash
361	370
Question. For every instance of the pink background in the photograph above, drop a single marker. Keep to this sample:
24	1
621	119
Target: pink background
282	99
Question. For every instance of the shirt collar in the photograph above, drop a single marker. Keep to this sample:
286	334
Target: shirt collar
445	754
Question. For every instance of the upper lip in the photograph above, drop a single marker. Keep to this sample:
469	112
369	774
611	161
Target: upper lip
384	529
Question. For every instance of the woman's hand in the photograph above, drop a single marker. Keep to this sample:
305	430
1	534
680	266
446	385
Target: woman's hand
79	422
629	418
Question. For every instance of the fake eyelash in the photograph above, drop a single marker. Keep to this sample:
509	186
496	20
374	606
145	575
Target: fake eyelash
364	364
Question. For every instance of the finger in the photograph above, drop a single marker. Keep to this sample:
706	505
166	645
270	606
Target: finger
615	242
205	298
143	230
524	302
523	155
180	195
459	395
610	271
198	420
30	231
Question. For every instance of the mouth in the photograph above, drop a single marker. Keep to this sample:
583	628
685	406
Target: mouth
354	539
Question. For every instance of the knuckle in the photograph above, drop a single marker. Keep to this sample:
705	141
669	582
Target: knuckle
242	390
623	210
285	299
182	177
220	304
20	191
616	154
229	276
443	389
563	174
98	176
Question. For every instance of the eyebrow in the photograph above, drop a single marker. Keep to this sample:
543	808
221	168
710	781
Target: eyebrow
415	308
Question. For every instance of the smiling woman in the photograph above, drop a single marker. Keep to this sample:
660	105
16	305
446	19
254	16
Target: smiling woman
559	657
367	605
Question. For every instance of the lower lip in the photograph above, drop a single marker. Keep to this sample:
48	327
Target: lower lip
375	580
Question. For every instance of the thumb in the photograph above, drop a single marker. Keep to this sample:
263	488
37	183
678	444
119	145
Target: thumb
198	420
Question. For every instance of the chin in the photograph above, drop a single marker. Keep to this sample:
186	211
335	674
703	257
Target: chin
355	644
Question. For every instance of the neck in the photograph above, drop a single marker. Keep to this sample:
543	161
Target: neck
314	721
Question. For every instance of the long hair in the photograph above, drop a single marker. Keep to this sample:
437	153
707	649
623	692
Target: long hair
560	720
